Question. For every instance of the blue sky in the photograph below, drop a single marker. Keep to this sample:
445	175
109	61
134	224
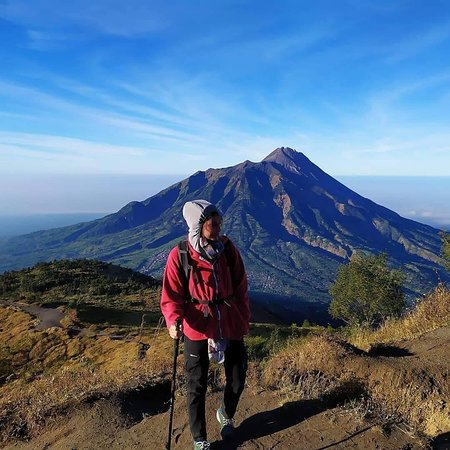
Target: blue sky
158	87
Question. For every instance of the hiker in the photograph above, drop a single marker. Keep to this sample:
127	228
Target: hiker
205	285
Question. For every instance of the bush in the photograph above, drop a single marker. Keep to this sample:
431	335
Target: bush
446	248
59	280
431	312
366	291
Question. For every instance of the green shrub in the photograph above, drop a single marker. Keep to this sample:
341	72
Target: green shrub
446	248
366	291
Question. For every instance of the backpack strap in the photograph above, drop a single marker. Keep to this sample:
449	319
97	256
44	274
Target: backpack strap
184	258
229	257
186	266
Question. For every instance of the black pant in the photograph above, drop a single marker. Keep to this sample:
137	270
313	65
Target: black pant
197	365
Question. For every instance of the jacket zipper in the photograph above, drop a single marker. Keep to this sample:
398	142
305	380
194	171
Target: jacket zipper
216	297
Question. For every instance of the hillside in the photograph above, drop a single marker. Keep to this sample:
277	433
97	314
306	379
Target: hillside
77	281
293	223
313	390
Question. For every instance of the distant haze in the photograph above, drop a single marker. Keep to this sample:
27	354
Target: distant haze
38	202
424	199
92	193
15	225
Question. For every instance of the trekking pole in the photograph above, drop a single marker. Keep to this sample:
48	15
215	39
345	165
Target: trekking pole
174	375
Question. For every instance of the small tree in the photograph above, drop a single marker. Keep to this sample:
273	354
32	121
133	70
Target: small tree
366	291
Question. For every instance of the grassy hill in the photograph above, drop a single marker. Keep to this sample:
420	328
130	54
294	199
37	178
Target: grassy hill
79	281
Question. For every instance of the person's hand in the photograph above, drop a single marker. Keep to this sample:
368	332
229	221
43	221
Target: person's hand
176	330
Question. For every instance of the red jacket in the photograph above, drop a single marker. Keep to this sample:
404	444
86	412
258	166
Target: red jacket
217	280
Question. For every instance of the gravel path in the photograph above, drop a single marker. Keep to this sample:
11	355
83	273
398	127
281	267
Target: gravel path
48	317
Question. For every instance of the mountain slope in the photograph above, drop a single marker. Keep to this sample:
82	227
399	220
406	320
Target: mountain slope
293	223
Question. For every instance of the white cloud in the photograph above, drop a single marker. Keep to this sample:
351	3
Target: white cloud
114	17
64	144
44	40
418	43
14	153
382	102
101	114
192	120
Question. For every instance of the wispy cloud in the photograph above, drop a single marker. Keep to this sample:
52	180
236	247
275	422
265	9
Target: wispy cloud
46	40
418	42
384	152
217	141
188	114
34	153
100	114
405	88
13	153
265	47
63	144
217	85
112	17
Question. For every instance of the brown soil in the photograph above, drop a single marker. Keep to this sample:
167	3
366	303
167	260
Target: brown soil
264	422
265	419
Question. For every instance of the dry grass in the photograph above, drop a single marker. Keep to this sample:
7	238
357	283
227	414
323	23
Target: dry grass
304	356
430	313
418	396
26	407
24	411
310	369
53	372
415	390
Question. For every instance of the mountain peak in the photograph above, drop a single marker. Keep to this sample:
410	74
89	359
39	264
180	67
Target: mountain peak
280	155
290	159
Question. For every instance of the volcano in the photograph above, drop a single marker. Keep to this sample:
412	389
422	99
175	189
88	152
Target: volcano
293	223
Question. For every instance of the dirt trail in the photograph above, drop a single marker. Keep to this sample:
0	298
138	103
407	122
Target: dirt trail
48	317
52	317
264	421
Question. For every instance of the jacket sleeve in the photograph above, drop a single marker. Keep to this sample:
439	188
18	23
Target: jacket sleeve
172	296
239	278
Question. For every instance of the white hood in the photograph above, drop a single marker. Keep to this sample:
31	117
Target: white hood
195	213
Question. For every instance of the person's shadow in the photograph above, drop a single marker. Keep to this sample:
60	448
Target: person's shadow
269	422
441	442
